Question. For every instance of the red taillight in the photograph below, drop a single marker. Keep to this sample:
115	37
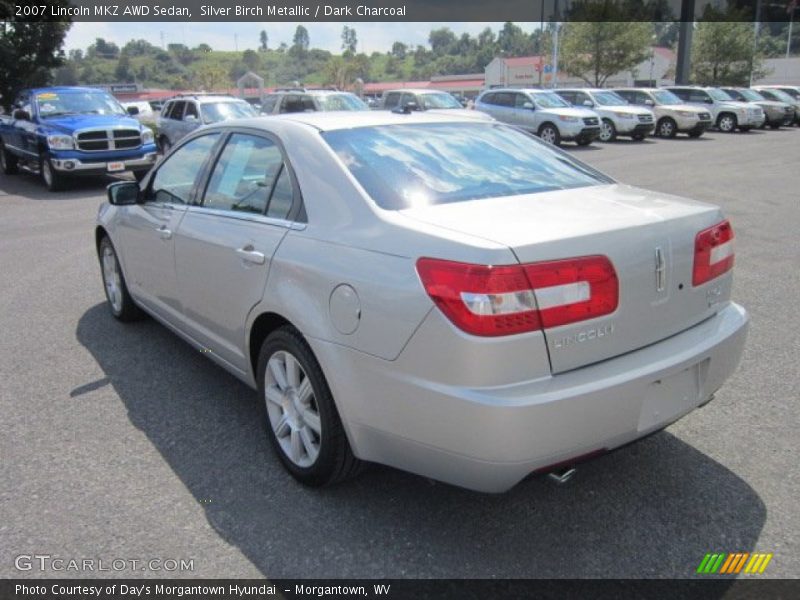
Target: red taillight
713	252
503	300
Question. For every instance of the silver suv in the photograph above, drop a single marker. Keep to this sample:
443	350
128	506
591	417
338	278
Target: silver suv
294	100
728	114
435	101
777	113
673	115
786	93
542	112
185	113
617	117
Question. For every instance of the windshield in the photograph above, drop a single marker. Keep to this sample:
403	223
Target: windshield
751	95
666	97
76	102
550	100
222	111
403	166
608	99
718	94
782	96
439	101
341	102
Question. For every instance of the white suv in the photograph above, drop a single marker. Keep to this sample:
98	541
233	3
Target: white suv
185	113
617	117
728	114
673	116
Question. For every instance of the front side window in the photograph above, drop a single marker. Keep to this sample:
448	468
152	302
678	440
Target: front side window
403	166
699	96
191	111
176	177
717	94
244	175
177	111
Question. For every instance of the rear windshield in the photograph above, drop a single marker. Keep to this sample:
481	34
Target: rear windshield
402	166
439	101
222	111
341	102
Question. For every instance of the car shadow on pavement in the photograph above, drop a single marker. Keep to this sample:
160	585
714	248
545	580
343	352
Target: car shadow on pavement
30	186
652	509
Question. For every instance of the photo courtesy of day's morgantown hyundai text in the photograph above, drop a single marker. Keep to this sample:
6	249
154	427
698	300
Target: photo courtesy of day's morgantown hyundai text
450	296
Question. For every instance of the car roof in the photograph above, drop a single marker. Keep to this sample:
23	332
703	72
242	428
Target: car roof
333	120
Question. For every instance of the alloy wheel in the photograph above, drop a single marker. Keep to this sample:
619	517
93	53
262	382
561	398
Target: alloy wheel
726	124
112	279
292	409
47	172
605	132
549	135
665	129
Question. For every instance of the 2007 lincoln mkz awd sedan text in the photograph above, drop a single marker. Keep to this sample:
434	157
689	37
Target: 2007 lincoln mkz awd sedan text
444	295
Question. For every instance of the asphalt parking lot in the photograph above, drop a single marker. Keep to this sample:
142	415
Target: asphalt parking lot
120	441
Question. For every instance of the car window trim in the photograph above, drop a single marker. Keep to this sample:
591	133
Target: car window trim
297	213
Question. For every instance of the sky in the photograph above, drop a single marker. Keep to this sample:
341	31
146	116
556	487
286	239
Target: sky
372	37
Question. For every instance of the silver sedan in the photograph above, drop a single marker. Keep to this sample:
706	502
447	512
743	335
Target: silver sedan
447	296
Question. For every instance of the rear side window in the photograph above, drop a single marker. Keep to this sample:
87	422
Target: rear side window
404	166
682	94
268	105
244	175
568	96
392	100
629	96
175	179
177	111
504	99
488	98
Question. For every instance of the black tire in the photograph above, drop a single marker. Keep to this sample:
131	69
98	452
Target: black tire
638	137
775	125
745	129
549	133
335	461
125	310
583	141
695	134
608	133
727	123
54	180
666	128
8	162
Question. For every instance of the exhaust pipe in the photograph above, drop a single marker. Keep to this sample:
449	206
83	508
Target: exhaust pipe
562	476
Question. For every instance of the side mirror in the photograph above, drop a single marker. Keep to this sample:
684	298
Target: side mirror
123	193
528	105
190	118
588	103
649	102
133	110
21	115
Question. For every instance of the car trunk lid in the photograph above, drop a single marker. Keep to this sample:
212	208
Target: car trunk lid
649	238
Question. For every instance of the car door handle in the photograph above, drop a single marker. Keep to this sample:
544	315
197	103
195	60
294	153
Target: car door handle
164	233
249	254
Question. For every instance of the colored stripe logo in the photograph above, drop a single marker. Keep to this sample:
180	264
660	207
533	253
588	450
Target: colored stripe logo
731	564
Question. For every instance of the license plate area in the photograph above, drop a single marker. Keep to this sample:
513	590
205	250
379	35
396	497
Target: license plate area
114	167
671	396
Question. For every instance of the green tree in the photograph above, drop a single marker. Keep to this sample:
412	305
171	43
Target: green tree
399	50
349	39
723	53
250	59
595	50
442	41
300	42
29	51
123	72
203	48
263	39
512	41
209	76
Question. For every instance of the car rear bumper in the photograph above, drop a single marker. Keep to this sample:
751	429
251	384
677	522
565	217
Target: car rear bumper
489	438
